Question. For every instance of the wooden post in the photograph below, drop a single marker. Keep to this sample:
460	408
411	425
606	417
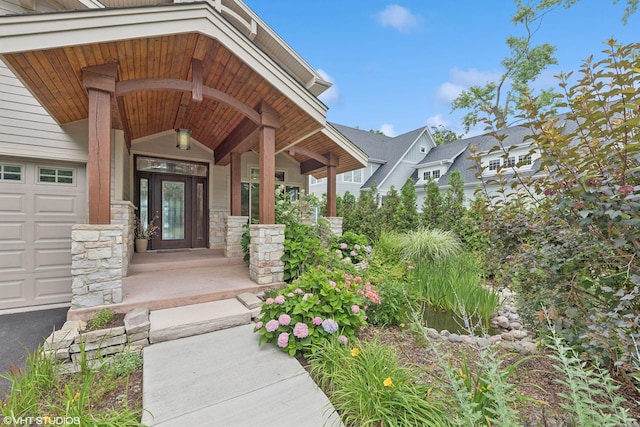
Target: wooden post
100	83
331	184
236	184
269	121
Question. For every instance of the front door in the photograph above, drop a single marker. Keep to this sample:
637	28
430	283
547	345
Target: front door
179	205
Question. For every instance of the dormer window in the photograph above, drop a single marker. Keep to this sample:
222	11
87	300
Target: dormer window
525	160
426	176
510	162
435	174
423	149
494	165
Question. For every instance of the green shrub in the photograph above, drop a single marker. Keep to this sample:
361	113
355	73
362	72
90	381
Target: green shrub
424	246
123	364
367	386
352	246
318	305
395	306
101	318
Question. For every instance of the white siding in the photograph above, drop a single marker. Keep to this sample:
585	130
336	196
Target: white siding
27	130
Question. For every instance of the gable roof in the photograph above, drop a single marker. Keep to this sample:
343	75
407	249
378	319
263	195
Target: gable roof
369	142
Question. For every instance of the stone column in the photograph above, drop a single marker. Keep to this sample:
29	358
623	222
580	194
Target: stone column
123	213
97	264
335	224
218	228
233	237
265	252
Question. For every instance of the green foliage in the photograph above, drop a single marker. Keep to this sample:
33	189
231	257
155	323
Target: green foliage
318	305
443	136
40	389
453	283
424	246
352	247
544	5
396	303
303	248
123	364
432	209
592	398
407	218
388	212
363	216
367	386
100	319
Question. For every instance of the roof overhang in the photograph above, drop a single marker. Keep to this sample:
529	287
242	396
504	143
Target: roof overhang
49	51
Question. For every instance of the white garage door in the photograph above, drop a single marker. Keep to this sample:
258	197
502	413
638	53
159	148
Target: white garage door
39	202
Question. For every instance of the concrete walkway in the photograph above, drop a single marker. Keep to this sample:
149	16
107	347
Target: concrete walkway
225	379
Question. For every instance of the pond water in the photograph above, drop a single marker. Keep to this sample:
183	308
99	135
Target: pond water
442	319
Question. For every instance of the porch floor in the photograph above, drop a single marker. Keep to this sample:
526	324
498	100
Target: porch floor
165	279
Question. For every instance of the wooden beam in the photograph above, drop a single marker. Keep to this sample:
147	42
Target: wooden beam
100	83
236	184
243	138
196	79
331	184
311	154
269	121
309	166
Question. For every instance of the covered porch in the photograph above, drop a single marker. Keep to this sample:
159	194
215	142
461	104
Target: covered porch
131	76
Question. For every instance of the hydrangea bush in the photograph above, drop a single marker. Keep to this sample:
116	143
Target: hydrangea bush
352	247
318	305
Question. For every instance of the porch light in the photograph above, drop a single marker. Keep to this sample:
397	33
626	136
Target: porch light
183	139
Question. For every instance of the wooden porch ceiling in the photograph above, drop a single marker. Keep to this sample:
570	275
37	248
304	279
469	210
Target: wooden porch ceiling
55	78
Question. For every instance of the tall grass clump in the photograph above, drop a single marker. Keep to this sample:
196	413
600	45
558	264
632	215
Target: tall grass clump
425	246
456	281
367	386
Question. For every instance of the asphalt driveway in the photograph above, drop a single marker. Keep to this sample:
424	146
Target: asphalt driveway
22	332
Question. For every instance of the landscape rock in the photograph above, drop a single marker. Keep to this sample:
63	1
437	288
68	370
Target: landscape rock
502	322
137	320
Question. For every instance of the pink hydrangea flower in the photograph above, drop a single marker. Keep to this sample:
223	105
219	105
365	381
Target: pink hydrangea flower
332	284
317	321
298	291
290	294
410	267
343	340
356	247
258	325
355	309
284	319
269	301
367	249
301	330
279	299
343	246
272	325
353	253
283	340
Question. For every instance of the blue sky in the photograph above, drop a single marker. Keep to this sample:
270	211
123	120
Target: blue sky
396	65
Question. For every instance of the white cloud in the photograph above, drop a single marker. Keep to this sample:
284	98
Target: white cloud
330	96
437	121
387	129
460	80
398	17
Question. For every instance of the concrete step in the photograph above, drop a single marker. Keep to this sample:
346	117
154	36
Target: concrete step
180	322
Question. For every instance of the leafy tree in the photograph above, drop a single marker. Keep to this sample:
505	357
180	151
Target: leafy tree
365	219
632	6
523	65
453	203
443	136
432	205
345	207
408	214
390	209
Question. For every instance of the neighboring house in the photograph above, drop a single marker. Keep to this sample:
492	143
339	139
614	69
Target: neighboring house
415	155
391	160
91	95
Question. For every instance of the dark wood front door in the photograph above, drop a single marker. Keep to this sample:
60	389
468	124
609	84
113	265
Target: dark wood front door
179	204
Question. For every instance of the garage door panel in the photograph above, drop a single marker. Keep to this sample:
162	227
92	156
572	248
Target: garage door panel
49	259
12	232
12	204
53	231
15	293
55	204
52	290
13	262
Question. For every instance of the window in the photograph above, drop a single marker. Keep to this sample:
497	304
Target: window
10	172
494	165
525	160
353	176
313	180
254	175
510	162
55	175
435	174
423	149
426	176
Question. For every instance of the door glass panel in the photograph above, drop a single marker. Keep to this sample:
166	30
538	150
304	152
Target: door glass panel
143	209
173	210
199	210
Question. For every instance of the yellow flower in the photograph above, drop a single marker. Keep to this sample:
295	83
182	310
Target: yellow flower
75	397
387	382
354	352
